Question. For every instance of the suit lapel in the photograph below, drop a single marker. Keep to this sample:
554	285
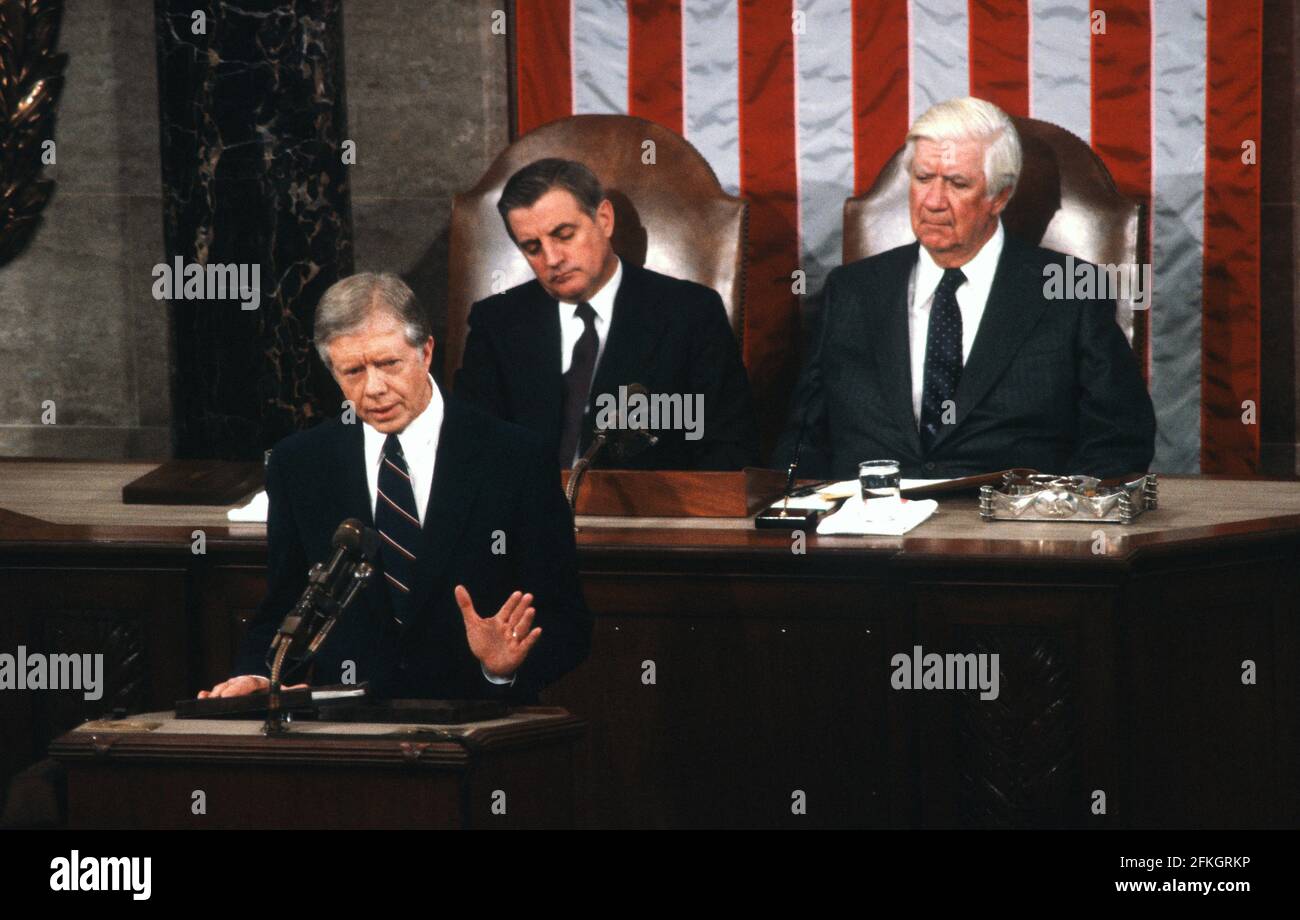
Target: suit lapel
634	334
537	358
1014	306
893	348
351	462
457	476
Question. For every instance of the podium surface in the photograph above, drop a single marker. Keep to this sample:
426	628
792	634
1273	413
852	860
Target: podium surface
153	770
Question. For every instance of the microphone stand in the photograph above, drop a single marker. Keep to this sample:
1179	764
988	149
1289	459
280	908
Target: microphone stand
580	470
323	610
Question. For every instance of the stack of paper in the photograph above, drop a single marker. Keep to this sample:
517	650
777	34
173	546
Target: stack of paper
882	516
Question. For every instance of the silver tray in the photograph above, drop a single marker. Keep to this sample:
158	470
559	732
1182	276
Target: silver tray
1043	497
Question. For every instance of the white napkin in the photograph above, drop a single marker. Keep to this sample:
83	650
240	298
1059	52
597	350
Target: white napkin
254	512
837	490
881	516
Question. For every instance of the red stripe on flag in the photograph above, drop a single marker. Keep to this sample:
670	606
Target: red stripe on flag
1121	120
999	53
769	179
1230	319
654	61
880	85
543	64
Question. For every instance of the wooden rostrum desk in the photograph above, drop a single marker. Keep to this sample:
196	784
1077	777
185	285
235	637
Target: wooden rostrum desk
1121	672
148	770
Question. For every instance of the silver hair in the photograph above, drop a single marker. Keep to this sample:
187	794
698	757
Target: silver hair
351	302
969	118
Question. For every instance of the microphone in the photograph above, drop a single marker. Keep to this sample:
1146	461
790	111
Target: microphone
331	587
349	541
624	443
785	519
628	442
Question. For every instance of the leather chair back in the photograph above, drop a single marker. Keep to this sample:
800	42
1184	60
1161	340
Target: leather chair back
670	215
1066	200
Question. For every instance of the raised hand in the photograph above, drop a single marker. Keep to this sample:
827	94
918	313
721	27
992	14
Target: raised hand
502	642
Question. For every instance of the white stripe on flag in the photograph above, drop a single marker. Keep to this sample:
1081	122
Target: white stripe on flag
824	132
711	93
599	57
1060	64
1177	232
940	53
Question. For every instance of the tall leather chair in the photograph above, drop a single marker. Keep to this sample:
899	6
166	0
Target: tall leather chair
1066	200
670	215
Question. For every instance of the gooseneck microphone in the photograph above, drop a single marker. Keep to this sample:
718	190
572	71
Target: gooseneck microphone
332	586
623	442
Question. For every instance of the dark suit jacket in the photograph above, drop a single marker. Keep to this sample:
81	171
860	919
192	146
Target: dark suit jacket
1049	384
671	336
488	476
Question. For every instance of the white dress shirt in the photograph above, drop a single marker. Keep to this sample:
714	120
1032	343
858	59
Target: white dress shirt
972	297
419	442
571	326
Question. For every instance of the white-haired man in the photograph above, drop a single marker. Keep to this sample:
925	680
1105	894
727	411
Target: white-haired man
469	512
947	355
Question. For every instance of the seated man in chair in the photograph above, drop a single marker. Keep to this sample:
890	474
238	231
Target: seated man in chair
949	354
559	353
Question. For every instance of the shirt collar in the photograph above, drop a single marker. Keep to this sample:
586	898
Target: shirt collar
603	300
979	270
422	431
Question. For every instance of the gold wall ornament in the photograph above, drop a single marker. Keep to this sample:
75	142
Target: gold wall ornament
31	77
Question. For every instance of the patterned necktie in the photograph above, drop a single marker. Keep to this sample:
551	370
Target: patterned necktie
942	356
577	384
398	523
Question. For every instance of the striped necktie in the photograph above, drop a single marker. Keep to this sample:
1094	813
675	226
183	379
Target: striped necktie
398	523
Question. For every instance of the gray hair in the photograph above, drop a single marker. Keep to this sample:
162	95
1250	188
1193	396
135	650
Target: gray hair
969	118
351	302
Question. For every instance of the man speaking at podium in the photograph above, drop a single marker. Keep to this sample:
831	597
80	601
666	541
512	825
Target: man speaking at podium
476	592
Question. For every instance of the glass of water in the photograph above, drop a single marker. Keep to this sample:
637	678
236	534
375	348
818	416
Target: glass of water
879	479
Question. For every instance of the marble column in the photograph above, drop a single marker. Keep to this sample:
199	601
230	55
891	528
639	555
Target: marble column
252	112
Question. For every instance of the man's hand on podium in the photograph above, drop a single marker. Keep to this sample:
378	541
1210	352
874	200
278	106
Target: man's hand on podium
500	643
242	686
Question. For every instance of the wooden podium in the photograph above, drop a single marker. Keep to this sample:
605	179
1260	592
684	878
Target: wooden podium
154	771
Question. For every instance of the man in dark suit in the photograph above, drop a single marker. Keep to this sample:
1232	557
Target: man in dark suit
949	355
554	354
469	512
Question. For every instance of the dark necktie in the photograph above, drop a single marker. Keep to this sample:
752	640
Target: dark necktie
577	385
942	355
398	523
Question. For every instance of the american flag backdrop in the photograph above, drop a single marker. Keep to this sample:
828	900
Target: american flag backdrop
797	104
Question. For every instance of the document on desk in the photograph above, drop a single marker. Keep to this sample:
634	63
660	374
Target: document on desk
877	517
838	490
253	513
